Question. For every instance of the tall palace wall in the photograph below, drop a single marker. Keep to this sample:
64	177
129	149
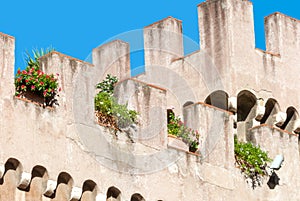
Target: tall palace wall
227	87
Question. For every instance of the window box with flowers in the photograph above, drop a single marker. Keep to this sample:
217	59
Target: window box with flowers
177	129
109	113
33	84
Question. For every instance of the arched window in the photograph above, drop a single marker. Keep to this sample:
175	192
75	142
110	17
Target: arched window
218	99
292	114
188	103
272	107
245	102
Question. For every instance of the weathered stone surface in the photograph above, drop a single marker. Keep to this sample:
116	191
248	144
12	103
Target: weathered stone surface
54	153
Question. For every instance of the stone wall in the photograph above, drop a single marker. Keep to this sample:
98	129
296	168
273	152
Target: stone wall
61	153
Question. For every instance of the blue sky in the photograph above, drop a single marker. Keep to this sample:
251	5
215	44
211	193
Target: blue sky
76	27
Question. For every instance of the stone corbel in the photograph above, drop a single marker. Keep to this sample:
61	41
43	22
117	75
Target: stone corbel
232	104
296	126
279	118
51	186
260	109
254	123
76	193
25	180
100	197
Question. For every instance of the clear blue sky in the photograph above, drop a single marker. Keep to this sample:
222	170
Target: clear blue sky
76	27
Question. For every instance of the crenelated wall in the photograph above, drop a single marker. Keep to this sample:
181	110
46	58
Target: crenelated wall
61	153
228	59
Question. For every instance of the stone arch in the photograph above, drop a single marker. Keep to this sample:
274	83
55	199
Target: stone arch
38	183
113	193
137	197
188	103
272	107
64	187
218	99
292	114
11	179
246	100
89	185
89	190
39	171
65	178
13	164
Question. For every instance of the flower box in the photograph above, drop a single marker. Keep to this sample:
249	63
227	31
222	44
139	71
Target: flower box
177	143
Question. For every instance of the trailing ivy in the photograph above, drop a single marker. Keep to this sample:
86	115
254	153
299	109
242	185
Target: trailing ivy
251	160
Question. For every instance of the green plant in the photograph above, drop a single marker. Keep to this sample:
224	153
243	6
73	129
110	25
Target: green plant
108	111
33	61
176	127
107	85
36	81
251	160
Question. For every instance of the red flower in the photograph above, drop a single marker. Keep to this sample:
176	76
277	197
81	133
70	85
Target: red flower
26	81
41	83
40	73
23	87
19	71
24	72
45	93
32	87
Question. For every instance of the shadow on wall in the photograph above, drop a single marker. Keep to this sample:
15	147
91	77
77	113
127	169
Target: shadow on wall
273	181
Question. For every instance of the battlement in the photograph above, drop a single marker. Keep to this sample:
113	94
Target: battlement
227	87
